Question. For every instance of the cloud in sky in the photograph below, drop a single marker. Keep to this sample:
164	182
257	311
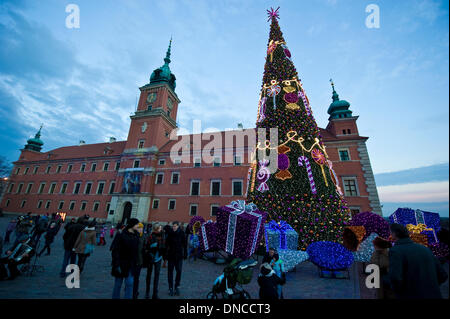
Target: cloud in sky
439	172
421	192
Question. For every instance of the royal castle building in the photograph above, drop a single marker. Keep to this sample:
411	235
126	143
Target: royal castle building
155	175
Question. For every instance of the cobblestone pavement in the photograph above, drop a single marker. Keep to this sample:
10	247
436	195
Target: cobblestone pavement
197	279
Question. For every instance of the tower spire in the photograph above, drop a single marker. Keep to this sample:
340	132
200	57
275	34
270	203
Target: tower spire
167	58
335	95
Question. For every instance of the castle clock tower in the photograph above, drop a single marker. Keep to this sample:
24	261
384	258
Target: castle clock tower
150	129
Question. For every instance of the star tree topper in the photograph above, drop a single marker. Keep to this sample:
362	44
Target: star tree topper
273	14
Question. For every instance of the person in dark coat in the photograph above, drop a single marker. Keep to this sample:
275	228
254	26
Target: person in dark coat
166	230
140	261
49	238
70	237
154	249
176	252
414	272
380	257
39	229
268	282
268	257
125	249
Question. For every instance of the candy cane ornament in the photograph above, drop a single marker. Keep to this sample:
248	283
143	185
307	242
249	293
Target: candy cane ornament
305	101
304	159
263	176
262	109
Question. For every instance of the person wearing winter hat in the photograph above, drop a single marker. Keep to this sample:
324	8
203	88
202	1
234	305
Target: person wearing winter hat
268	282
124	252
137	274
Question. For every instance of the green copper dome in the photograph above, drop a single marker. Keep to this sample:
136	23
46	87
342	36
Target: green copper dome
35	144
163	74
338	108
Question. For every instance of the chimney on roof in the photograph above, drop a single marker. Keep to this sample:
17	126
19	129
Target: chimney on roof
82	142
112	139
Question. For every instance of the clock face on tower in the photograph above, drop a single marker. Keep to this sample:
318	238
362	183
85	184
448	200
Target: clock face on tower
151	97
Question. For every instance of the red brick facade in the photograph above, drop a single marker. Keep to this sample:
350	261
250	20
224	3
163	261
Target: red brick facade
145	156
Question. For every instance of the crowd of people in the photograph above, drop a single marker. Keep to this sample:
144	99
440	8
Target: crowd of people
407	269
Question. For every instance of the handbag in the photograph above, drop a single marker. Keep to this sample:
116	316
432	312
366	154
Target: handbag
89	248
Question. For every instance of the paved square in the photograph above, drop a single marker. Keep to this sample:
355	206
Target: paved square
197	279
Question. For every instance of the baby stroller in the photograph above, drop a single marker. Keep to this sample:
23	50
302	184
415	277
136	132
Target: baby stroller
229	284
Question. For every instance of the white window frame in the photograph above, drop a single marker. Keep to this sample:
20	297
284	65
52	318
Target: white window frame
108	206
92	167
58	169
242	186
104	164
240	160
171	177
199	159
354	178
50	190
162	161
220	187
8	201
155	200
39	204
110	184
156	179
139	144
35	169
219	162
136	161
70	204
59	204
71	168
75	187
190	208
26	170
23	203
98	187
199	184
83	167
11	187
41	187
48	203
85	188
19	188
62	186
29	187
168	204
48	169
348	153
85	205
93	206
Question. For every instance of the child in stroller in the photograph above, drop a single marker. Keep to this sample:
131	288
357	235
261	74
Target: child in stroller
229	284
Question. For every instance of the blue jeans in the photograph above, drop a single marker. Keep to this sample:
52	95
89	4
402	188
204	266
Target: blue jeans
68	255
128	286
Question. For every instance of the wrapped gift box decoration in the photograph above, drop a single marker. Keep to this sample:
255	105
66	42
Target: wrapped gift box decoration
373	223
239	228
208	236
366	249
407	216
280	235
292	258
329	255
423	229
419	238
353	236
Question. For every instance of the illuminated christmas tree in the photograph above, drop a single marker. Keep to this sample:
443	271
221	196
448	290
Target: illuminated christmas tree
303	190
